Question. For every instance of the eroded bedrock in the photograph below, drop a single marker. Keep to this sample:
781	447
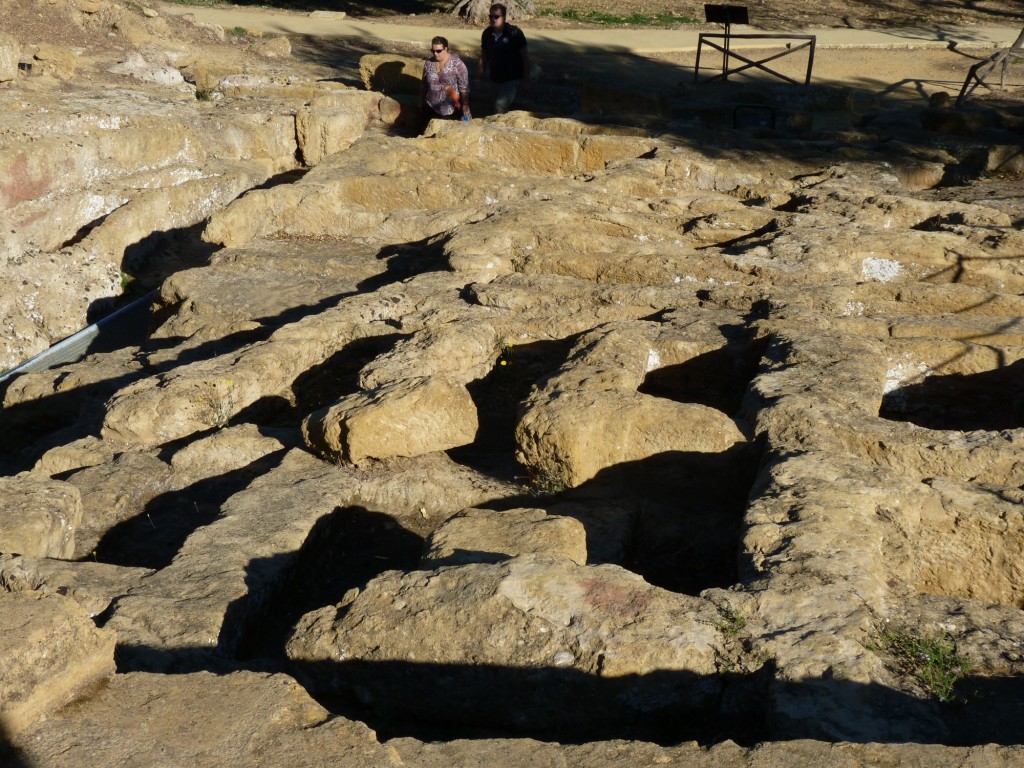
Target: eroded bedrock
536	441
535	642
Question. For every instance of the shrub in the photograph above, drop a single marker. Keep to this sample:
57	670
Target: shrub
930	659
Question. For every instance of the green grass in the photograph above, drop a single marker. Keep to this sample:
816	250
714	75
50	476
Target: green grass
504	351
547	481
931	659
238	32
732	621
635	19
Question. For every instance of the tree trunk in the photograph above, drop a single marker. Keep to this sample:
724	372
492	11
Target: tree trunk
476	11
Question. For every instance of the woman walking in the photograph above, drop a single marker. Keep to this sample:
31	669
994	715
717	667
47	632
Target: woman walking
444	90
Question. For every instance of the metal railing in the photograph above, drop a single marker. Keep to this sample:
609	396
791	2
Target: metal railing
78	345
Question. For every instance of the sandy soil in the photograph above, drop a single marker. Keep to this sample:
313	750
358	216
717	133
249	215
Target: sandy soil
770	14
911	74
879	75
857	14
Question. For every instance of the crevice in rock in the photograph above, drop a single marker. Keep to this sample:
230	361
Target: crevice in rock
323	384
83	232
717	379
664	707
498	396
344	550
152	538
686	511
990	400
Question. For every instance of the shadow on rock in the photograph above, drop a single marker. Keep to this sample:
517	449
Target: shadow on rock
152	538
445	701
988	710
717	379
450	701
324	384
498	397
686	508
990	400
405	260
345	549
10	755
32	427
441	702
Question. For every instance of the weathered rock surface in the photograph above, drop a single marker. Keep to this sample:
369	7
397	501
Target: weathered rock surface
407	418
610	436
51	652
330	123
93	585
114	492
226	451
391	74
10	51
485	536
229	575
98	189
39	517
203	719
589	416
506	634
525	753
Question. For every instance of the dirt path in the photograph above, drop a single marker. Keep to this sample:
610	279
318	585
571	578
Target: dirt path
897	63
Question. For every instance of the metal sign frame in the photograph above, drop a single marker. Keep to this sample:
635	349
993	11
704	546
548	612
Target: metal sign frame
708	38
737	14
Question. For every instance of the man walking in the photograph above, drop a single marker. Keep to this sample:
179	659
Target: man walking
503	51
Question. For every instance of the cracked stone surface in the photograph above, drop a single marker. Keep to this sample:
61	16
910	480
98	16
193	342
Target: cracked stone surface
533	441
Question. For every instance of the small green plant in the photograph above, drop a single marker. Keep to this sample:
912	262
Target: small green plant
216	402
735	667
930	659
238	32
548	481
204	94
504	351
732	621
131	287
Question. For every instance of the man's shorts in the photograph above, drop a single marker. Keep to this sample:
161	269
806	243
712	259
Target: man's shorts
506	95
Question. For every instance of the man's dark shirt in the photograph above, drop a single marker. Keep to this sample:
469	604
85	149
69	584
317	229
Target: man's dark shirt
504	53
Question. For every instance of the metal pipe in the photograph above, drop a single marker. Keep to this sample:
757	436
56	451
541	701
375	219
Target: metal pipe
76	346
